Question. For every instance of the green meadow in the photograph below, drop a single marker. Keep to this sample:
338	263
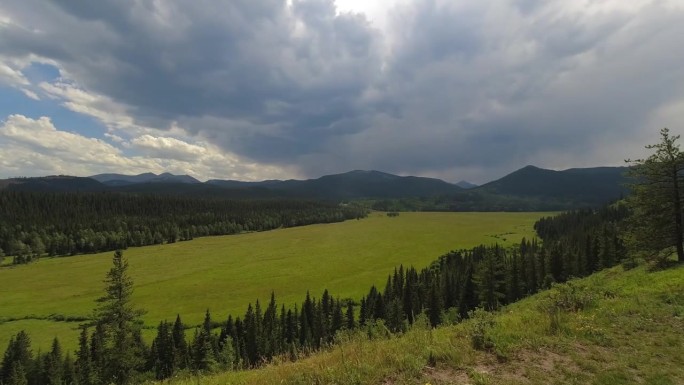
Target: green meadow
223	274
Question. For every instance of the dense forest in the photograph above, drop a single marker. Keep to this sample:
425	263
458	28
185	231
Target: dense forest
35	223
573	244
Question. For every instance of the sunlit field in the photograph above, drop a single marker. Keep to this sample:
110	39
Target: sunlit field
223	274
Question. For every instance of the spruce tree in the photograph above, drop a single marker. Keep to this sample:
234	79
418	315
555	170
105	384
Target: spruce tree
54	365
69	371
657	184
349	316
162	354
17	375
121	323
85	373
203	349
490	279
180	345
17	358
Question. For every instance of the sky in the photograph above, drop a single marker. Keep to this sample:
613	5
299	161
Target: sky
279	89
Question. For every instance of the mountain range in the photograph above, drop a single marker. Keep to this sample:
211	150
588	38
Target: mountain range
529	188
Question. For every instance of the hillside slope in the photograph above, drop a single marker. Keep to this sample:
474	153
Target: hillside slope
121	179
54	183
581	185
629	331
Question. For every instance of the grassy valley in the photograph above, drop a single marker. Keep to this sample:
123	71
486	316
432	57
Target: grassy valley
227	272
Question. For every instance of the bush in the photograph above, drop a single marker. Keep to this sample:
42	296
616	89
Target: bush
564	298
481	324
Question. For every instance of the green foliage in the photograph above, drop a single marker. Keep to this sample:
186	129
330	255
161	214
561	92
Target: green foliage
490	277
32	224
481	324
120	321
655	228
564	298
17	358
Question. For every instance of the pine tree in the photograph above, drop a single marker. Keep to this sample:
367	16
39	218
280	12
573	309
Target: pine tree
203	347
17	375
54	365
85	374
69	371
17	358
337	321
435	304
162	357
98	353
121	322
490	279
349	316
655	228
180	345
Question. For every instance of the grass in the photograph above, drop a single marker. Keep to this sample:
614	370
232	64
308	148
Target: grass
225	273
629	333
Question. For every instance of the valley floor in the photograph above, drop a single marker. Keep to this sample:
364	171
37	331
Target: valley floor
225	273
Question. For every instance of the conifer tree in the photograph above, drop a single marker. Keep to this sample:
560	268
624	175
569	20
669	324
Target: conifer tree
54	365
655	228
435	304
17	359
162	357
490	279
85	374
121	323
69	371
349	316
203	347
180	345
17	375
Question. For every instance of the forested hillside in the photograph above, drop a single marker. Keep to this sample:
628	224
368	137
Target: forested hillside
33	223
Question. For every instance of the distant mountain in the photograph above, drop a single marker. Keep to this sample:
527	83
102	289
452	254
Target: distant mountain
356	184
466	185
366	184
528	189
123	180
55	183
576	185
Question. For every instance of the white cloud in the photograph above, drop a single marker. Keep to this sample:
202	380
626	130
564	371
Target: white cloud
168	148
112	114
11	77
35	147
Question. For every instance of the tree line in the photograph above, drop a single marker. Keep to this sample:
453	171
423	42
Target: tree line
34	224
111	349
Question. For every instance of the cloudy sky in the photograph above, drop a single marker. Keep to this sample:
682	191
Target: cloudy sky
257	89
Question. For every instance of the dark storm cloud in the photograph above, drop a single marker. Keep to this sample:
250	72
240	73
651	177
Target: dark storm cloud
452	88
301	68
555	86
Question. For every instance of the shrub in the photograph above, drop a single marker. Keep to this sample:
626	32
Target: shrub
564	298
481	324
